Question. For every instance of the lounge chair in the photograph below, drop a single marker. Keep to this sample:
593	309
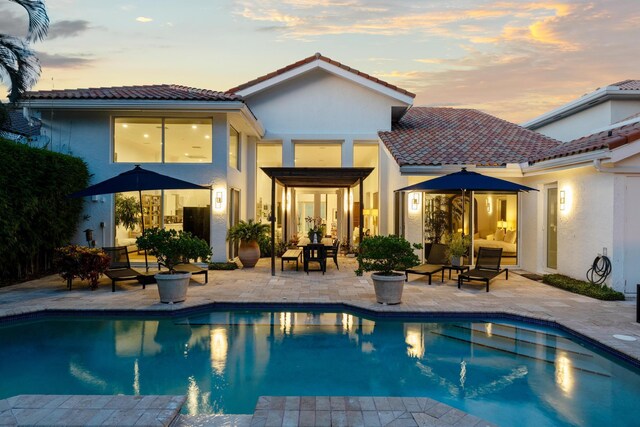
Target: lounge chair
436	260
193	269
120	267
333	251
487	267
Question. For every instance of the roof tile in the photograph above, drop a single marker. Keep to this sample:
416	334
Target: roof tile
443	136
164	92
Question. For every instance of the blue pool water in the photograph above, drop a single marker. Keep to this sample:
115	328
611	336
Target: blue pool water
505	372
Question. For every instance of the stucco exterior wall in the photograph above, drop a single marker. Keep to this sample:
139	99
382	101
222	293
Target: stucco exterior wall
585	226
88	135
579	124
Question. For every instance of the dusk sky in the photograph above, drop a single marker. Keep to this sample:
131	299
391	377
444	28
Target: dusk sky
513	59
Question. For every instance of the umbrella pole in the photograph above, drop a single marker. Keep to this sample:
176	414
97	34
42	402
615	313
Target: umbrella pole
463	212
146	262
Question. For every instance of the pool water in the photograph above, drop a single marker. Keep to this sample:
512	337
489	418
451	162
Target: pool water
504	372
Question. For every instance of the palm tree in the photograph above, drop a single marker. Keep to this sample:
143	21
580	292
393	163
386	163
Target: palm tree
19	66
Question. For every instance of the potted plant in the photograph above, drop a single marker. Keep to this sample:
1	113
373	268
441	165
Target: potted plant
382	255
458	248
248	233
127	212
316	229
171	248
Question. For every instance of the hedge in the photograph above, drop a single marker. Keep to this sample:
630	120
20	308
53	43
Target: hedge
35	214
582	287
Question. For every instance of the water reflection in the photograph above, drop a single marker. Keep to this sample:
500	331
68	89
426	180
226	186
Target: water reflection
414	337
219	348
564	373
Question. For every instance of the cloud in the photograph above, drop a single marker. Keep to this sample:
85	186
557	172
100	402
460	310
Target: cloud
67	28
143	19
63	61
12	23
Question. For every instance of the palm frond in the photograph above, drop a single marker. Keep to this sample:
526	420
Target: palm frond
38	18
18	65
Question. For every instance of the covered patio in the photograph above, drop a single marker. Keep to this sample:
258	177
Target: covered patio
313	178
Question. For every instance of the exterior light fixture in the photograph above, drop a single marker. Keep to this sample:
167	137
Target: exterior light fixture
414	205
563	200
218	200
488	203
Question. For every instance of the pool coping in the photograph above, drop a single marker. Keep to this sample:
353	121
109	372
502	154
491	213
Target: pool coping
383	312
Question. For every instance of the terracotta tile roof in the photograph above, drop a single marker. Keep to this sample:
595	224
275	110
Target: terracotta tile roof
318	56
164	92
456	136
608	139
628	84
17	124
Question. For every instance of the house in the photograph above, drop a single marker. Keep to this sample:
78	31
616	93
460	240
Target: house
320	113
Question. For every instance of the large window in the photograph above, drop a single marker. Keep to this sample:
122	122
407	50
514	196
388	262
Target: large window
158	140
268	155
234	148
318	155
366	155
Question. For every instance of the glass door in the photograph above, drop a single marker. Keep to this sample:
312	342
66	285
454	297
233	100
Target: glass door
552	228
234	218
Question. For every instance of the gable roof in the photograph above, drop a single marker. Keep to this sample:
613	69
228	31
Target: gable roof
427	136
627	84
607	139
168	92
311	59
17	124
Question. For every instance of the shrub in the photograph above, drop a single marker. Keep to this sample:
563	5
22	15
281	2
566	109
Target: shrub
582	287
37	216
223	266
173	247
127	211
82	262
459	246
248	231
383	254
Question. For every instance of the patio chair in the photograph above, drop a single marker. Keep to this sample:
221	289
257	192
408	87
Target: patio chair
487	267
333	251
436	260
120	267
315	253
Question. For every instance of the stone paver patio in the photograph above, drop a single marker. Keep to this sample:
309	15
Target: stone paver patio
594	319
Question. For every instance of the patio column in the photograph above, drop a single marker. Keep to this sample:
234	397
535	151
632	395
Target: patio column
285	230
273	226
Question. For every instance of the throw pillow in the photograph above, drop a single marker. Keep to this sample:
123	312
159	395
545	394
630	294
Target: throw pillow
499	235
510	236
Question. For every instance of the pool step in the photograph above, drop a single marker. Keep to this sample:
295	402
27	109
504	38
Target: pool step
529	336
523	349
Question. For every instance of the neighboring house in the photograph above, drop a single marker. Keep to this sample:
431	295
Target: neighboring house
320	113
17	127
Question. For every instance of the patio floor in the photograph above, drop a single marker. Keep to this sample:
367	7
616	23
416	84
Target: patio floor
597	320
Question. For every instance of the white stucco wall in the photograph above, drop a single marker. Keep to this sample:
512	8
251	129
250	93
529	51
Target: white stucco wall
321	103
88	135
585	226
579	124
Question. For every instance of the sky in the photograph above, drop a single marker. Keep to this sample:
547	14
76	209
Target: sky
512	59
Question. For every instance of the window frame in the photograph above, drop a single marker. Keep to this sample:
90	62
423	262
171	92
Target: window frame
237	166
163	133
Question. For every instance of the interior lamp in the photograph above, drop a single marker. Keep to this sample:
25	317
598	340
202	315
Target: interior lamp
502	224
563	200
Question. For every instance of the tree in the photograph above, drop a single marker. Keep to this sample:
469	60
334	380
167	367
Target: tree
19	66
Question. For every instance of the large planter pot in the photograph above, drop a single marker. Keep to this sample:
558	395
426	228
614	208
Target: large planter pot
456	261
249	254
173	287
388	288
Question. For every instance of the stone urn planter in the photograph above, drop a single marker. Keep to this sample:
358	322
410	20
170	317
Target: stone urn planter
249	254
388	287
173	287
382	255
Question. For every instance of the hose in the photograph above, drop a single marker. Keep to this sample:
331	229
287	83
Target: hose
599	271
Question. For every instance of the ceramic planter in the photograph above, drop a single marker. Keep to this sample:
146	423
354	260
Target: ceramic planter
249	254
173	287
456	261
388	288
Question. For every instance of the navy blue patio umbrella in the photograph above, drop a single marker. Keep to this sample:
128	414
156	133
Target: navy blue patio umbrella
464	181
139	180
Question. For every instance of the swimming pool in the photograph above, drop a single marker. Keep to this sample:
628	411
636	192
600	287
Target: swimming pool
501	371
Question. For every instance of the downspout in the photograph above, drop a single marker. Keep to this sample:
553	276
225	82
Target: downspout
597	163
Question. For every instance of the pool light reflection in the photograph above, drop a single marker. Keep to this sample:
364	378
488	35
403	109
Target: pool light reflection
219	347
564	373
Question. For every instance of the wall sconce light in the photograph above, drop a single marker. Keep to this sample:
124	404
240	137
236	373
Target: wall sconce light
489	206
563	200
218	200
414	205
